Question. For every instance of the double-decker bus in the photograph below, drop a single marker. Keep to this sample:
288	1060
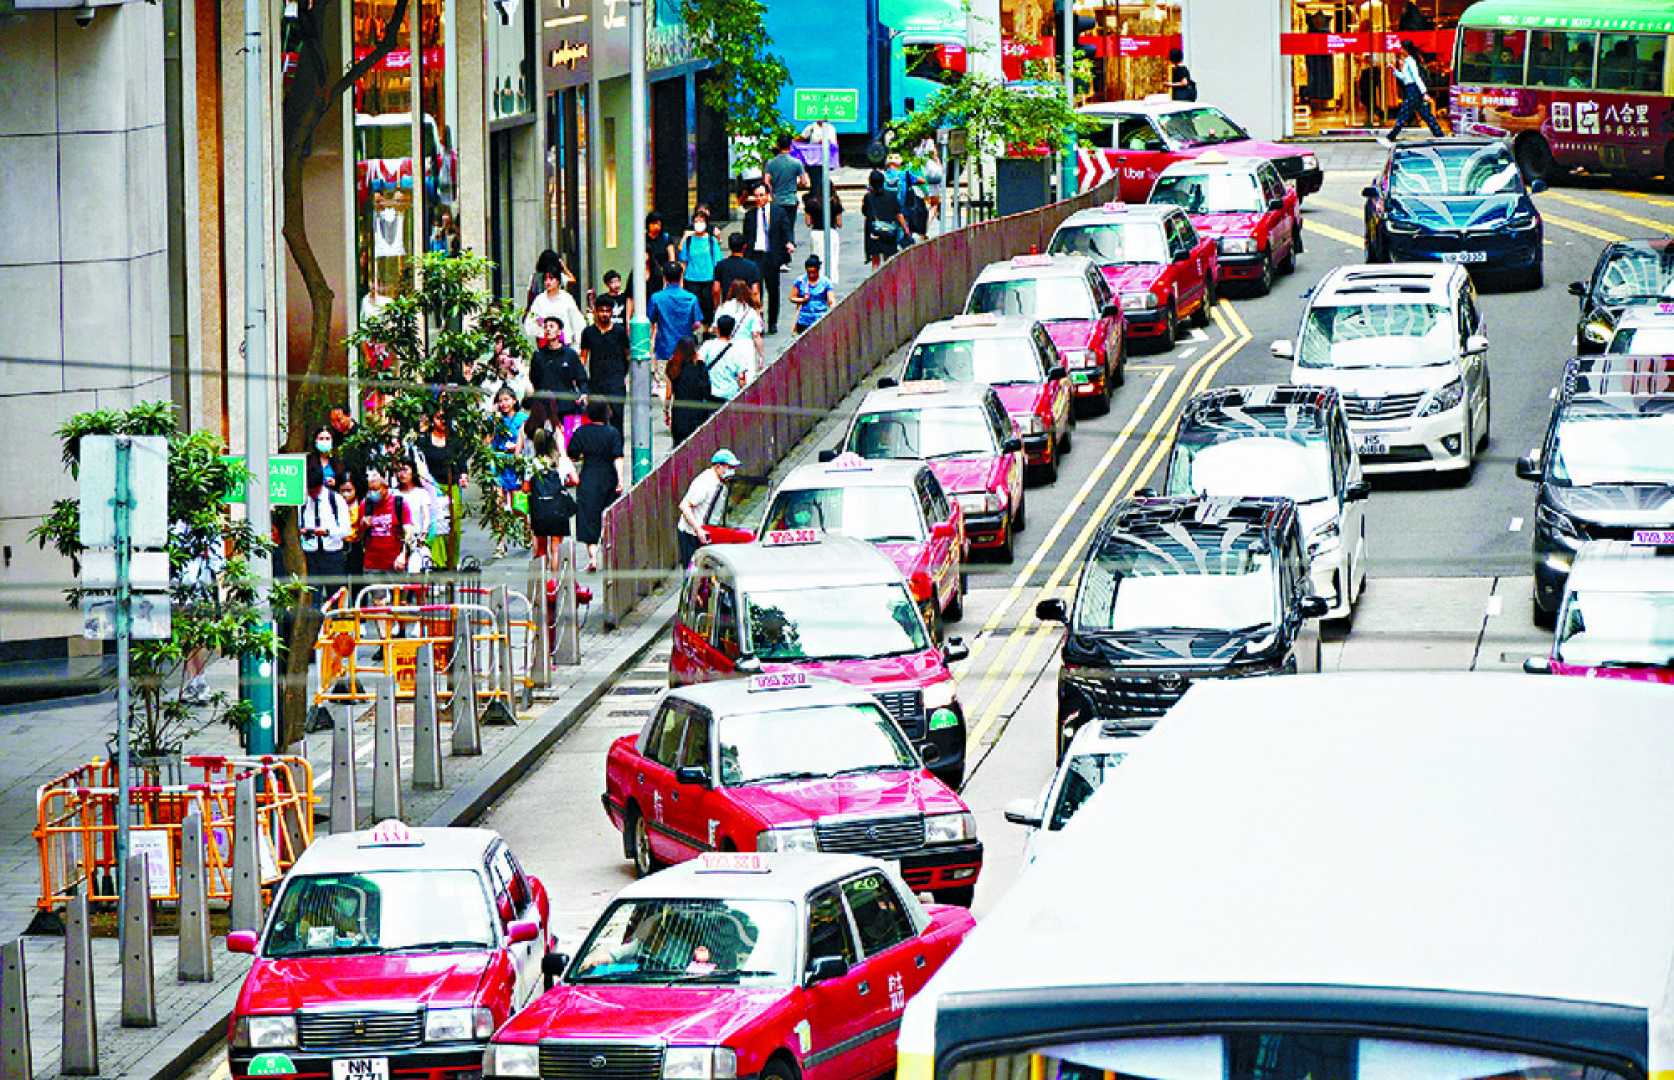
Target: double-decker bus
1573	83
1370	876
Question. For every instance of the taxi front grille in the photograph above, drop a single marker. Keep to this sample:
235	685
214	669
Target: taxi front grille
881	838
1391	407
358	1030
601	1061
907	707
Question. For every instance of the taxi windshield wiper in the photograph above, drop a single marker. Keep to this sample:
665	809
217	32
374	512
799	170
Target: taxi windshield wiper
788	774
889	767
716	976
330	950
436	946
973	452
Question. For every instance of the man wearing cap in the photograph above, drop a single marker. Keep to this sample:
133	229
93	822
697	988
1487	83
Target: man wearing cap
700	496
812	295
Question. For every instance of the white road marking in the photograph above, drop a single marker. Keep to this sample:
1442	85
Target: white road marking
1495	605
1552	394
1198	335
1516	525
1186	354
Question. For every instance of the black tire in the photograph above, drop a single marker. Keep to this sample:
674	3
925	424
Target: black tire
1487	414
1020	520
1007	552
638	841
1200	317
1534	157
1099	404
955	609
779	1069
1668	168
1121	373
1049	471
963	896
1546	620
1171	329
1536	278
1288	266
1068	438
1297	247
1264	283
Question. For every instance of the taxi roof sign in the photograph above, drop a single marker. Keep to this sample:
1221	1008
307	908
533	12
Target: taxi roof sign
1653	537
1114	205
790	537
778	680
391	833
922	386
1665	308
733	862
849	461
1022	261
980	318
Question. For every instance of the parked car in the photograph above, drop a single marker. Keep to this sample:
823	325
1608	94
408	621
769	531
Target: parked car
1072	300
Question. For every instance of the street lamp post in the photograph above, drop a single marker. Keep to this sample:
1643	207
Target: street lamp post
639	331
256	670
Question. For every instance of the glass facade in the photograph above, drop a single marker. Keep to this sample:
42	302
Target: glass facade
1343	55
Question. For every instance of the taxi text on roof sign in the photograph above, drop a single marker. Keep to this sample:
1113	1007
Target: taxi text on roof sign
391	833
1114	206
981	318
1022	261
778	680
789	537
922	386
849	461
733	862
1654	537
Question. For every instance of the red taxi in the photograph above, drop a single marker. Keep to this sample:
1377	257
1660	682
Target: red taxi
783	762
1153	258
1070	298
1243	206
1017	358
738	965
393	952
896	506
802	600
962	431
1616	620
1135	141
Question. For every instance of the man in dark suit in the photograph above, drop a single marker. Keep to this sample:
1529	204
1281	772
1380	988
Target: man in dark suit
766	242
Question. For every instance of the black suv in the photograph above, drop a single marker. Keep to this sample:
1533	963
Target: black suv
1629	274
1606	467
1182	588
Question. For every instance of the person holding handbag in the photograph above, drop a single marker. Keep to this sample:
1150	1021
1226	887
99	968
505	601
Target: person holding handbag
551	506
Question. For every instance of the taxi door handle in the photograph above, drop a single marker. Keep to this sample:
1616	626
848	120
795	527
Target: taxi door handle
675	795
639	777
918	961
864	988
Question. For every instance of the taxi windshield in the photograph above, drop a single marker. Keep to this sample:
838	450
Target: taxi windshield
840	622
1613	448
1113	243
1637	273
1472	171
1199	127
1046	299
923	433
1376	336
717	942
996	361
1643	341
1186	582
876	514
830	740
1295	464
1211	193
380	911
1082	776
1617	629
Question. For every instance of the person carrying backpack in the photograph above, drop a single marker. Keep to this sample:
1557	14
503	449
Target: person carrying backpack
700	253
551	506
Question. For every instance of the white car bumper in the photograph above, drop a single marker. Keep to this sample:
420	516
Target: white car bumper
1415	444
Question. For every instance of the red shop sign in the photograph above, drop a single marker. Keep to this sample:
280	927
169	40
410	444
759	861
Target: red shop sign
1124	45
400	59
1435	42
1014	54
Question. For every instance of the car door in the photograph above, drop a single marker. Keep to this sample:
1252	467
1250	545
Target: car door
1140	154
1296	583
1000	421
688	811
1107	332
654	780
1282	222
1353	528
943	556
690	657
839	1009
1204	255
1476	366
1186	271
887	943
512	894
725	642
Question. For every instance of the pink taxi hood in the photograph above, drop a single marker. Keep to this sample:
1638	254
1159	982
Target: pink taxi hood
1131	278
907	557
1070	333
677	1014
1019	399
884	672
959	475
1218	225
439	978
881	794
1247	148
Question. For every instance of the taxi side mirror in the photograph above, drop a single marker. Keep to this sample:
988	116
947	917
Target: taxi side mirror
1056	373
1476	344
1112	311
825	968
886	383
1052	610
827	456
943	530
1537	665
694	775
1012	445
1023	812
1528	466
1275	204
955	650
554	964
1578	288
522	930
242	941
1358	491
1369	191
1315	607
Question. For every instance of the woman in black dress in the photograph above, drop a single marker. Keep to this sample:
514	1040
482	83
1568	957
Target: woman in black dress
688	391
596	447
885	224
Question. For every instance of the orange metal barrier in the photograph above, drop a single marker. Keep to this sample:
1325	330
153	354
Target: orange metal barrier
76	824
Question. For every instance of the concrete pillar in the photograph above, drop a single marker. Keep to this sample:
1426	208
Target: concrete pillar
15	1059
79	1042
345	798
139	986
246	911
427	731
196	958
386	756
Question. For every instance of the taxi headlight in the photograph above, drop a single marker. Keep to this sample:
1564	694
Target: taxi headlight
511	1059
700	1063
1324	538
979	502
457	1025
264	1032
1075	358
1558	524
939	695
1237	245
799	838
1139	301
949	828
1444	399
1309	163
1597	332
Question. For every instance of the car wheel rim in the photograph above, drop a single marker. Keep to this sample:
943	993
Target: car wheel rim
642	847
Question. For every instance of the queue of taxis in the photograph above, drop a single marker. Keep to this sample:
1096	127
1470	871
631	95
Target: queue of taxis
1242	205
805	601
1069	297
1152	258
1616	620
786	762
1017	358
737	965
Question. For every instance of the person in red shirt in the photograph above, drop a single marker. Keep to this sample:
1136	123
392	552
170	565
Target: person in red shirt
384	519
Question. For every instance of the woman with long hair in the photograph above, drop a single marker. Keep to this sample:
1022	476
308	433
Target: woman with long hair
506	437
597	447
324	457
747	322
688	391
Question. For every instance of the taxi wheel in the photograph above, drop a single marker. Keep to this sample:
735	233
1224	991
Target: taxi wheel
1264	284
1200	317
1288	266
639	844
1020	521
955	609
1171	330
964	896
1008	550
1049	471
779	1069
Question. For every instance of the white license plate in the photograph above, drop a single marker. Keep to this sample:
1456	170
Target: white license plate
1464	256
1371	444
369	1068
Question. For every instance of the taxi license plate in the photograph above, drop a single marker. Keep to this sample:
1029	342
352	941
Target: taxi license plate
1464	256
1371	444
370	1068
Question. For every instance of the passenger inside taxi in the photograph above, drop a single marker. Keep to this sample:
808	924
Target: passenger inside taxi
330	914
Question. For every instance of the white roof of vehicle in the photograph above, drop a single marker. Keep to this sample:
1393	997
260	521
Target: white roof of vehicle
1405	283
1618	566
831	562
1213	161
1149	108
1036	267
1489	833
928	394
788	877
1113	213
975	328
733	697
868	472
401	848
1092	738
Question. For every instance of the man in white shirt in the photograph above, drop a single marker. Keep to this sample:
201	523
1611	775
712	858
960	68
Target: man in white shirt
700	496
727	361
323	525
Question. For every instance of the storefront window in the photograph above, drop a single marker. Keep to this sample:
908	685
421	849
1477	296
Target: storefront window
510	73
1343	55
385	204
438	82
1129	42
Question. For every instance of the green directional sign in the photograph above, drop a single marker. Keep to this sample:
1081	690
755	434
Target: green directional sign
272	1065
286	480
839	106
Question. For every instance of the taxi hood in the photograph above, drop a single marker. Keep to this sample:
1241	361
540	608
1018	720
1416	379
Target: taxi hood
884	672
1219	225
1375	381
675	1014
1069	333
1131	277
881	794
908	556
1020	399
1245	148
419	978
967	474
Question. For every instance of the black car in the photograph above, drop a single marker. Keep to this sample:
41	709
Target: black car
1606	467
1629	274
1457	200
1177	589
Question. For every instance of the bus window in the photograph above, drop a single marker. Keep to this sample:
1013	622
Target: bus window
1562	58
1631	62
1492	56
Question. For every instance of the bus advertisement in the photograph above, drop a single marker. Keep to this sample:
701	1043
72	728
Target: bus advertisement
1571	83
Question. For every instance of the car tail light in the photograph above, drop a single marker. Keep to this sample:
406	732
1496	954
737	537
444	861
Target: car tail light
921	585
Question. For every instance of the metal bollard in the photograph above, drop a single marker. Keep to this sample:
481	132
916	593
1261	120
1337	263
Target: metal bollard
345	799
139	986
427	733
540	658
568	648
500	710
196	957
467	736
15	1060
78	1053
386	756
245	912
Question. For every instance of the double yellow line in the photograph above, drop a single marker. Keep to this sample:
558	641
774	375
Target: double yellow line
1135	473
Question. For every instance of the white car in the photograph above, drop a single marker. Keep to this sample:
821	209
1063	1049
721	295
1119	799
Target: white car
1093	753
1405	345
1646	331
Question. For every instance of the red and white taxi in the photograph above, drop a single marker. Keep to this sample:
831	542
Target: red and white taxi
738	965
1242	205
785	762
1137	140
896	506
1617	616
1071	300
962	431
802	600
1153	257
394	952
1017	358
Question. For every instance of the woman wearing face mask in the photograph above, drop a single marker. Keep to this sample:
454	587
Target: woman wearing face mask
506	437
699	252
422	512
384	520
324	457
